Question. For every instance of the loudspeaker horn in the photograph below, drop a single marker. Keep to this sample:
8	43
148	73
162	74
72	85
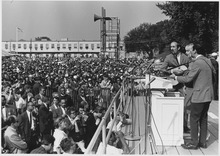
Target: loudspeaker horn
96	17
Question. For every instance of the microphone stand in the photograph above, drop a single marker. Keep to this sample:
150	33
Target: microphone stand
132	137
148	129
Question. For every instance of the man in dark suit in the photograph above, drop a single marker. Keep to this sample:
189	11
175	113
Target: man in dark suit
201	76
62	109
41	94
36	86
45	118
177	58
55	108
27	127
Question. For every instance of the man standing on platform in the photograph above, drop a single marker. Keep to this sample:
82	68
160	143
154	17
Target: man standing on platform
175	59
202	95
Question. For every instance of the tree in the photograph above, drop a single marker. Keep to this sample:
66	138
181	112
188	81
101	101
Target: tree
195	22
135	39
147	38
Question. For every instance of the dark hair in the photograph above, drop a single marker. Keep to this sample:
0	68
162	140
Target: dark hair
71	109
66	144
55	97
42	87
196	47
31	99
99	109
11	119
59	120
3	96
48	139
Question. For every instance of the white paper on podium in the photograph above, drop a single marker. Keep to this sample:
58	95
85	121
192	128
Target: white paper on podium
158	83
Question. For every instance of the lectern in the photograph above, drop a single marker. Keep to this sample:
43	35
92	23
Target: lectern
167	112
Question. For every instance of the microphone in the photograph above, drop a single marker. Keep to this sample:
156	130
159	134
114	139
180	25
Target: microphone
151	80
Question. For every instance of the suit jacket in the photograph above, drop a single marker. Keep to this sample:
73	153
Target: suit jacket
13	141
24	127
201	76
36	88
45	119
56	112
171	61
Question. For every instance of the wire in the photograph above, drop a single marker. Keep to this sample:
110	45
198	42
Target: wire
157	131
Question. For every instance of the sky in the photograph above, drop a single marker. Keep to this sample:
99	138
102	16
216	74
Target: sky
72	19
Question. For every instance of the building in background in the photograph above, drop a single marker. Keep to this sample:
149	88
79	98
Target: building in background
63	47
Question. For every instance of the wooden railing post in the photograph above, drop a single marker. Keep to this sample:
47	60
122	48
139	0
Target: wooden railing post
104	141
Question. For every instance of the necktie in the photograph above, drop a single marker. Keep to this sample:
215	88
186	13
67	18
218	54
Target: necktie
30	119
112	115
176	59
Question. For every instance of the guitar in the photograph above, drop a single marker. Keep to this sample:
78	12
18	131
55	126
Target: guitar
181	67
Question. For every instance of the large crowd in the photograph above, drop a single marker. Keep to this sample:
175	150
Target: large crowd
54	105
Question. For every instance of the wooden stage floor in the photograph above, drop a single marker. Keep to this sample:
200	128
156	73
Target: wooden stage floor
213	143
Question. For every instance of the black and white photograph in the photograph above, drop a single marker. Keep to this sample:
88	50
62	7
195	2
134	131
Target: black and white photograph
109	77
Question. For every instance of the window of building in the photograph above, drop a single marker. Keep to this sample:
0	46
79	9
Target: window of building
75	45
92	46
115	45
36	46
109	46
30	46
19	46
58	46
52	46
47	46
87	46
64	46
81	46
6	46
98	46
25	46
41	46
13	46
69	46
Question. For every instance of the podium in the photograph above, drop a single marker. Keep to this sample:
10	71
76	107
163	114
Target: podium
167	113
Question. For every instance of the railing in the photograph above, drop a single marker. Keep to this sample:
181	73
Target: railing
102	125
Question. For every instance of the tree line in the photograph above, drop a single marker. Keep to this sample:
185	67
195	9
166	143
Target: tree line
196	22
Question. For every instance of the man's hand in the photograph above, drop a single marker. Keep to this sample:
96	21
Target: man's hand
178	71
172	76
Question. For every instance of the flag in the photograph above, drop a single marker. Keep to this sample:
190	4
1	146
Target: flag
19	29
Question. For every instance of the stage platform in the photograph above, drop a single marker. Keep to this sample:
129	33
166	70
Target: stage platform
139	149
